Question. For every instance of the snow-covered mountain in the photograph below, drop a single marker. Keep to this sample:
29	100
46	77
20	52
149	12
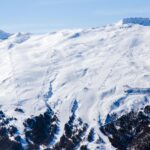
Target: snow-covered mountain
4	35
76	89
140	21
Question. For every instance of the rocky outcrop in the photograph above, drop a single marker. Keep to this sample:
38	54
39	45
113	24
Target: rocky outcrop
41	130
7	133
131	131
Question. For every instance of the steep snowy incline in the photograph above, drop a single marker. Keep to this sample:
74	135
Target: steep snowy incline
87	74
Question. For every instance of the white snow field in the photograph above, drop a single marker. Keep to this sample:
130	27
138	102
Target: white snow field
105	69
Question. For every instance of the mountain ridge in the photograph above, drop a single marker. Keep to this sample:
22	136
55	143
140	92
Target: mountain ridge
77	87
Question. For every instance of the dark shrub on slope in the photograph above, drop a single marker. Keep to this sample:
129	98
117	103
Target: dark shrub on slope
41	130
7	131
131	131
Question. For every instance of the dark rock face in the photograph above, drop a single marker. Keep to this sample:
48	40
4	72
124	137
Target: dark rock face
131	131
75	130
84	147
142	142
19	110
7	144
147	110
7	131
74	133
41	130
91	136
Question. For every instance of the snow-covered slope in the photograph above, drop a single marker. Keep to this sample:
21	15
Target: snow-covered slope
86	74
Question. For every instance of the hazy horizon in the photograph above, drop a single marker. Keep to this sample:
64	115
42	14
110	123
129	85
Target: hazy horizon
48	15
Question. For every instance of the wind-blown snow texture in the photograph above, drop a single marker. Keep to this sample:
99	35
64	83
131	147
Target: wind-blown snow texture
73	78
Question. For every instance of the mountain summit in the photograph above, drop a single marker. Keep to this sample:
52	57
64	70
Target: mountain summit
3	35
140	21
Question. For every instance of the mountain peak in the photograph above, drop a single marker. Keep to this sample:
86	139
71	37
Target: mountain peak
4	35
136	20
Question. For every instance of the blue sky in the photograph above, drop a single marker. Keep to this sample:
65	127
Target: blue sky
47	15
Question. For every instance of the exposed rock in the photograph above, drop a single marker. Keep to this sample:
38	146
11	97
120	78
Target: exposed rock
41	130
75	130
131	131
19	110
7	131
